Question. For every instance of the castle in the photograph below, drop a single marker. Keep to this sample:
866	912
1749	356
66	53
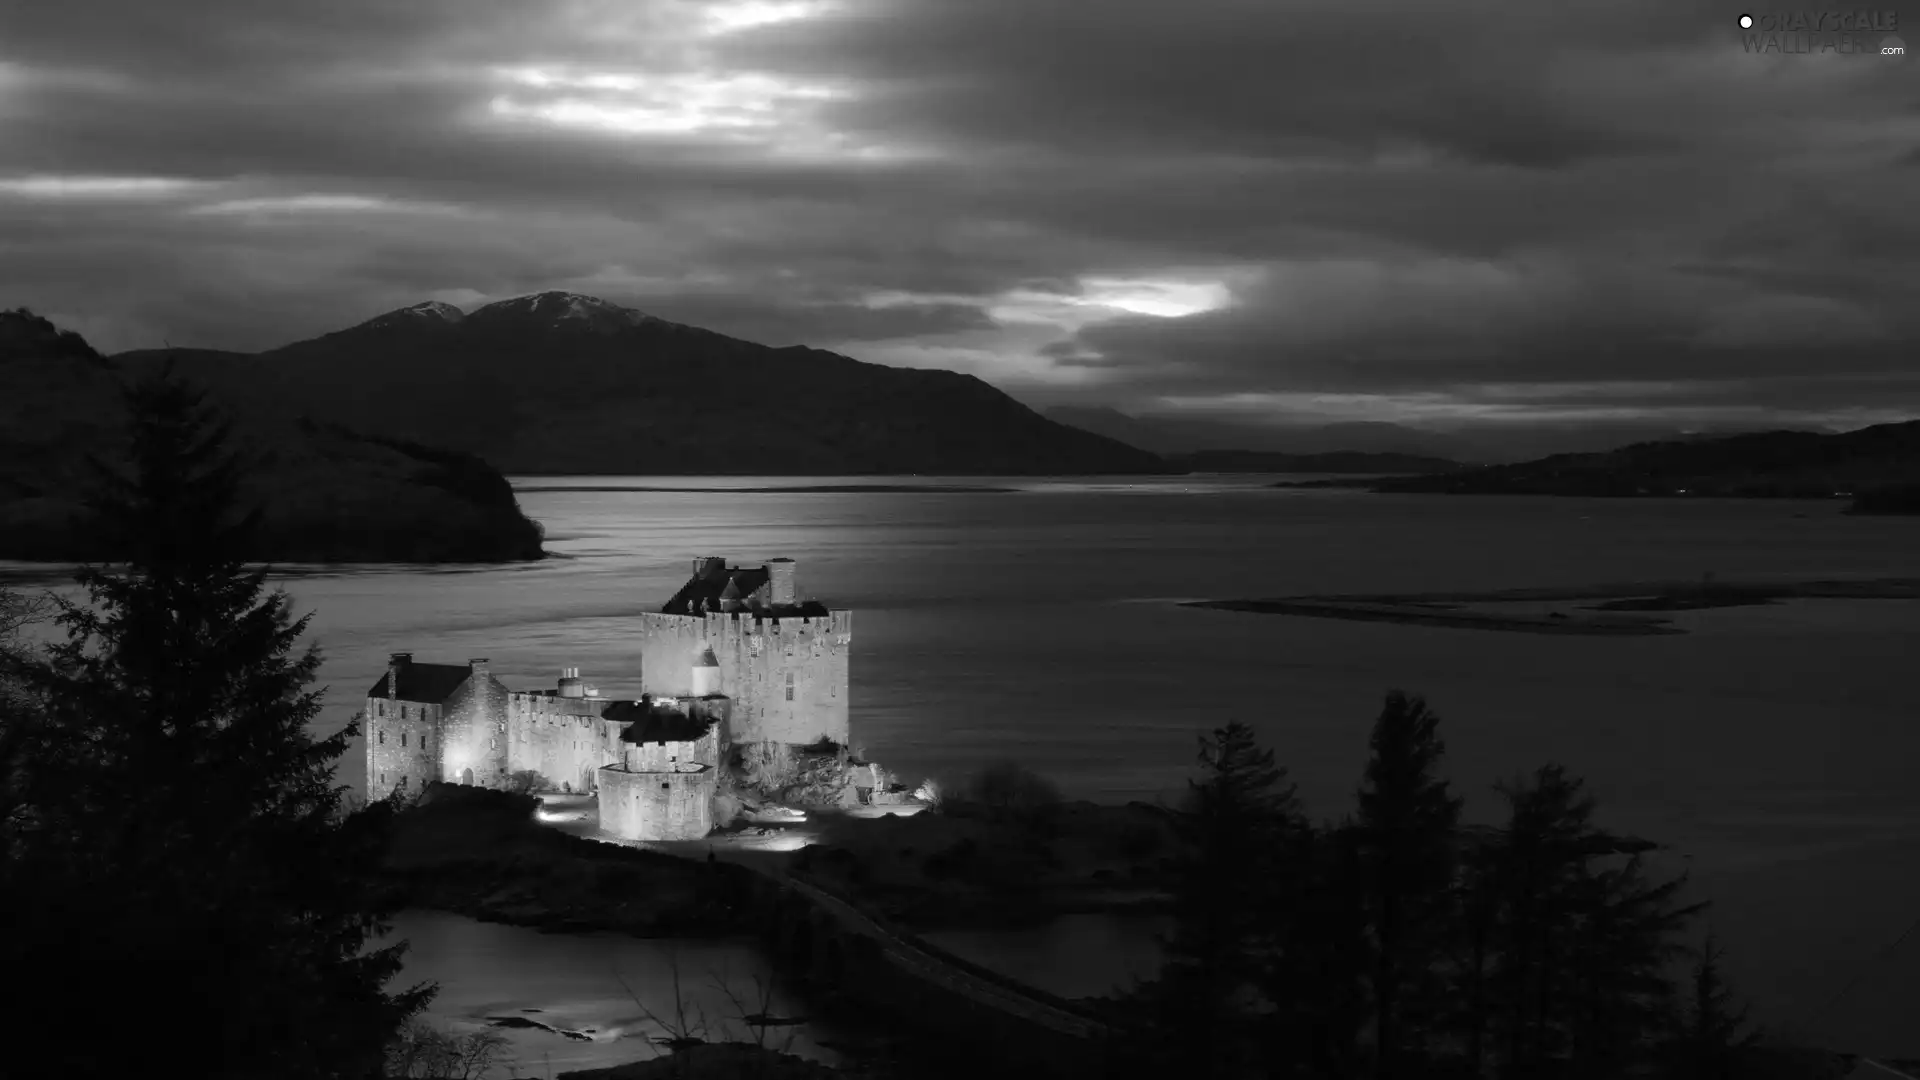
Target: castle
733	659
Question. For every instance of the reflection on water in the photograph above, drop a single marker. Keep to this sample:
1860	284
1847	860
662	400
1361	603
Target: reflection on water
613	991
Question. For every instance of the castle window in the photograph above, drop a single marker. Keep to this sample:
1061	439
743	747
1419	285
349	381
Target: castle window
403	738
664	787
789	686
493	744
383	738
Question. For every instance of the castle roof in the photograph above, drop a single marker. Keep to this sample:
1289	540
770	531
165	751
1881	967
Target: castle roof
702	594
647	722
430	684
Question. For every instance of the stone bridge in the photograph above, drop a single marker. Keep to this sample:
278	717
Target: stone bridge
852	959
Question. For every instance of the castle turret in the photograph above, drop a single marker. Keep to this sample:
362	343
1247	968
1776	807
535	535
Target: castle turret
395	663
706	674
570	684
780	586
730	596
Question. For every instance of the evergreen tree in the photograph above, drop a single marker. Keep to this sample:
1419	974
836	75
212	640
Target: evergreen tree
1240	823
188	851
1712	1030
1406	832
1578	985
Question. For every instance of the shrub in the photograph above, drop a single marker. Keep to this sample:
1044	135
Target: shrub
1008	787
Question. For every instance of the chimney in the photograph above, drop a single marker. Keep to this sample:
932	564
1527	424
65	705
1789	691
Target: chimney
395	662
706	566
479	667
570	685
780	588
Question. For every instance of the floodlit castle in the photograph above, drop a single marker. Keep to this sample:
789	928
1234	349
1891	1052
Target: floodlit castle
734	659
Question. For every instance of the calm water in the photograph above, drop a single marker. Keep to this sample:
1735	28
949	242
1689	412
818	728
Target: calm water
1776	747
619	991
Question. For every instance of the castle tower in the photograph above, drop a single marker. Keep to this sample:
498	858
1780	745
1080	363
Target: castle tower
706	673
570	684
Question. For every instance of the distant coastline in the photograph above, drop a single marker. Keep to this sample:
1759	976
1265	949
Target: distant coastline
1606	610
804	489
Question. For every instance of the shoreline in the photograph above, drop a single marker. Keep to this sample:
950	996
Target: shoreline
803	489
1608	610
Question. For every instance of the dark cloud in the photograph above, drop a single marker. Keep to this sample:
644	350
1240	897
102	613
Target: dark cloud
1494	207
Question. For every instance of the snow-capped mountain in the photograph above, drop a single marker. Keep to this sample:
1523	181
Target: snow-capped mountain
565	310
428	313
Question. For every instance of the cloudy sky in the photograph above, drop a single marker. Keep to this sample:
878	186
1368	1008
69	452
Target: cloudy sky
1436	211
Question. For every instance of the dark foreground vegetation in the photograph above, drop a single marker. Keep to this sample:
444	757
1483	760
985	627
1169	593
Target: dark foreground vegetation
327	492
171	832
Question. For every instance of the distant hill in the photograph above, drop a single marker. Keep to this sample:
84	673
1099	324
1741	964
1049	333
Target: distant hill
328	494
1169	436
558	383
1779	464
1349	462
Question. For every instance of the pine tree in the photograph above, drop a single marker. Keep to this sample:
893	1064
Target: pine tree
1407	832
1240	823
190	851
1712	1030
1578	984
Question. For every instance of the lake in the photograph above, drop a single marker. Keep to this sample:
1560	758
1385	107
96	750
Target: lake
1773	747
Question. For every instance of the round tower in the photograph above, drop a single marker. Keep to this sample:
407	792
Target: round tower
570	684
706	674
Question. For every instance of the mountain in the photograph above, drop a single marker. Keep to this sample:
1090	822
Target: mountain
559	383
328	493
1781	464
1338	462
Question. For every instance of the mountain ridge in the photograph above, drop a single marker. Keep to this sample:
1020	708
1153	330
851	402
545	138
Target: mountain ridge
563	383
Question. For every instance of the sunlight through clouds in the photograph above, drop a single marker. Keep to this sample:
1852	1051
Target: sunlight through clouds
42	186
733	17
323	204
779	116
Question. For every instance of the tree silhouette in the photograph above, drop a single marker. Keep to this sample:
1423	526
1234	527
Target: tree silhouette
1240	823
183	841
1578	984
1406	835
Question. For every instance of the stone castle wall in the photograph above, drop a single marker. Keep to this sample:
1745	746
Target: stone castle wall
657	805
473	733
565	740
787	676
403	746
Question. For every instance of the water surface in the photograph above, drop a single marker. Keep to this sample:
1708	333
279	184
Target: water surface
1774	746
